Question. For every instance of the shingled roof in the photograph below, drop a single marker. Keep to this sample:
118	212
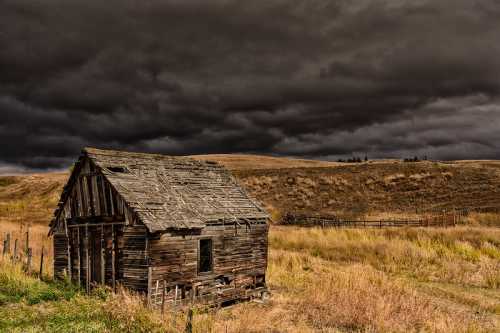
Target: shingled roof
174	192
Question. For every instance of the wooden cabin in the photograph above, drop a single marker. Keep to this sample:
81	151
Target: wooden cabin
175	228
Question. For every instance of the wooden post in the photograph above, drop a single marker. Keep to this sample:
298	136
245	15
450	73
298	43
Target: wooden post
87	260
113	268
28	262
27	241
150	275
189	323
68	251
78	258
41	263
14	256
103	258
163	297
6	244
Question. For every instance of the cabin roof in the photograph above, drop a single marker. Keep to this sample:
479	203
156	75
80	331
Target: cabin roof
168	192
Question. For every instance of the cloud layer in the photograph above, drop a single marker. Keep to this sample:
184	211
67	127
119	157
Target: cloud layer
309	78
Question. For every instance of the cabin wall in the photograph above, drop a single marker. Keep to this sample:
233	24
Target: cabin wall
92	201
239	261
60	243
134	259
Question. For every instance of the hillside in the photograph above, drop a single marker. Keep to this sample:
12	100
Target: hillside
284	184
369	188
30	198
252	162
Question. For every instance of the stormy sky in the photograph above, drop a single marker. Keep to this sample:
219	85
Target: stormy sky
321	79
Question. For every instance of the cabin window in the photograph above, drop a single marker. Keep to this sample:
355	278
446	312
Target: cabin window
205	258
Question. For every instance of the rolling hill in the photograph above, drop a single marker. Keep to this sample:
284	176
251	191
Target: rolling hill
307	186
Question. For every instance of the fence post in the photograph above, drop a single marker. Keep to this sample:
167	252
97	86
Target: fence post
27	240
189	323
14	256
41	264
6	244
4	251
163	297
28	262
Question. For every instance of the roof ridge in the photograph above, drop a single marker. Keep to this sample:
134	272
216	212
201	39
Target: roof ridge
132	154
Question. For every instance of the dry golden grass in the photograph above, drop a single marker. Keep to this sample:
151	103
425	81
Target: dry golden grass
38	239
398	280
30	198
245	162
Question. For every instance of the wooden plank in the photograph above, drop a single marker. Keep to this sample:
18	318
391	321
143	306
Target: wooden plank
103	259
113	258
68	241
150	274
87	259
94	224
95	219
79	260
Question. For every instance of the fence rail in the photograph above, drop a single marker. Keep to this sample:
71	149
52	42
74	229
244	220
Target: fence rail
331	221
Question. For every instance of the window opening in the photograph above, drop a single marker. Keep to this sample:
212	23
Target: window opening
205	261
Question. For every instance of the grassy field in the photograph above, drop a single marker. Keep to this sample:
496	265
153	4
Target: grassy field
388	280
401	280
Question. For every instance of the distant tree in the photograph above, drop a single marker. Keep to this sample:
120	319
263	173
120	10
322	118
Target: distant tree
411	159
366	158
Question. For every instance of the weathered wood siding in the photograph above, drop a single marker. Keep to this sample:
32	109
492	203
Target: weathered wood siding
134	260
60	254
91	198
239	261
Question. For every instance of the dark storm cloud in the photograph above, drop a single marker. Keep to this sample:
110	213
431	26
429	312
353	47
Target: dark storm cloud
310	78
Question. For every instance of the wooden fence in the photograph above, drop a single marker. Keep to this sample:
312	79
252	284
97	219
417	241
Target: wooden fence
448	219
15	254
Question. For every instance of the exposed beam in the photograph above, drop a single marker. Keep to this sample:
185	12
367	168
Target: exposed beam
95	224
94	219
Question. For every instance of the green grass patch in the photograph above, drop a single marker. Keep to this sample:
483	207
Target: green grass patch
16	286
30	305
